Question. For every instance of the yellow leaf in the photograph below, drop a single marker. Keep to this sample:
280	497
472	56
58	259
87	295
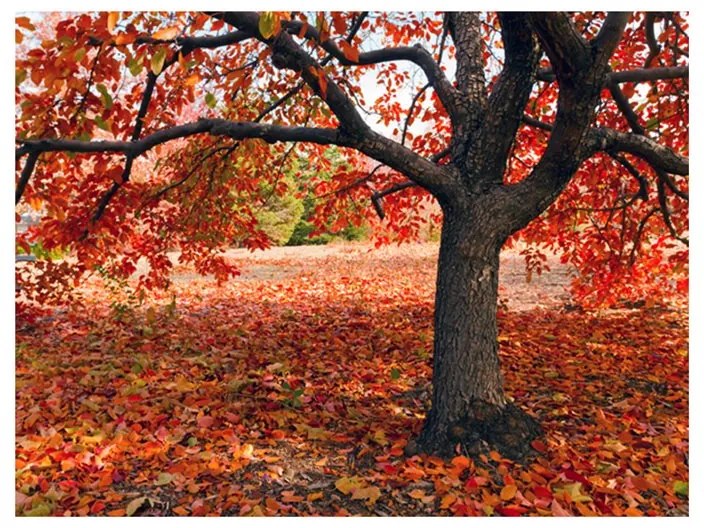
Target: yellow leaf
508	492
314	496
168	33
192	80
348	484
134	505
574	491
371	494
269	24
112	20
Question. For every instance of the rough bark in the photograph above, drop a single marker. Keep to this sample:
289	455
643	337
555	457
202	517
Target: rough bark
469	408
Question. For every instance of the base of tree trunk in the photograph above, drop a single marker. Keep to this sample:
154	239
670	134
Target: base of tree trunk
508	430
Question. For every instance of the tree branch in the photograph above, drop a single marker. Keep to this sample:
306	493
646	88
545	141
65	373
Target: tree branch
416	54
658	156
649	74
26	175
378	195
465	30
566	48
610	32
508	98
354	132
651	39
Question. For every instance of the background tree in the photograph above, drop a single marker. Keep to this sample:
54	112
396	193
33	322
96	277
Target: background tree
129	127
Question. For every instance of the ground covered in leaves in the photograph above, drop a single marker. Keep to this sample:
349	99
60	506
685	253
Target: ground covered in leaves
293	391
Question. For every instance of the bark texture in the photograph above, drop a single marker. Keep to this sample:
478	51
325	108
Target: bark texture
469	407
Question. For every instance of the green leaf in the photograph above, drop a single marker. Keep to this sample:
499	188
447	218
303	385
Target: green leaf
105	96
267	24
210	100
135	67
681	488
192	441
102	124
157	62
80	53
137	367
20	76
395	374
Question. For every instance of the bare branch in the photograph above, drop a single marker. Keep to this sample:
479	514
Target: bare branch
465	29
665	210
567	49
509	96
642	181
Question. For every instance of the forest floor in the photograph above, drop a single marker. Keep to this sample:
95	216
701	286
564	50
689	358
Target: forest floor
294	388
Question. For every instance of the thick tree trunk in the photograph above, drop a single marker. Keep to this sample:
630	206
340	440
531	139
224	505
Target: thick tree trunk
468	405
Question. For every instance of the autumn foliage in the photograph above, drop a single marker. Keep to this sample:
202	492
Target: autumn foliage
86	77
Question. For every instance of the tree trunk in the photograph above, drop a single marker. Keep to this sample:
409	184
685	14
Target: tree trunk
468	404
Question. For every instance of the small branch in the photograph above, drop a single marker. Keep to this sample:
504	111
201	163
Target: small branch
410	111
378	195
642	181
536	123
84	98
651	39
26	175
665	210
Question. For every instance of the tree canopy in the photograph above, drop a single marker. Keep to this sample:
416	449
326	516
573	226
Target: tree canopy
138	133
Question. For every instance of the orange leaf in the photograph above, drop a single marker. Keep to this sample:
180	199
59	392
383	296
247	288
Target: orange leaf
339	23
447	501
120	512
168	33
350	52
24	22
125	38
508	492
417	494
180	511
192	80
112	20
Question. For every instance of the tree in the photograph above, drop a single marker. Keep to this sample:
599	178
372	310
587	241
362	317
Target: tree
533	97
